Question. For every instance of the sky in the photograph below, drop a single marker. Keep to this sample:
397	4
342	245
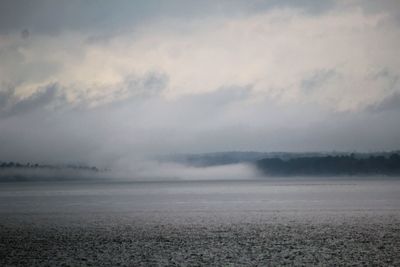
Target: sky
113	81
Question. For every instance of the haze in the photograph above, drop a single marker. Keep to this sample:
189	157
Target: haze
108	84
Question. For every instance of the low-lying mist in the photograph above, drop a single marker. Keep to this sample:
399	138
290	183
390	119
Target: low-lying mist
47	174
176	171
137	171
140	128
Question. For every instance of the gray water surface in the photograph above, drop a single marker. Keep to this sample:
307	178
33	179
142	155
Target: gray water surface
295	222
195	200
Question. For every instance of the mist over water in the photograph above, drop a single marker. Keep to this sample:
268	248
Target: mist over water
204	133
153	170
138	171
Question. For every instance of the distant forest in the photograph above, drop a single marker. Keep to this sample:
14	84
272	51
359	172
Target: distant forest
332	165
275	164
17	165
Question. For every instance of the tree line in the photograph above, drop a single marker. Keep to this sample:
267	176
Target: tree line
17	165
332	165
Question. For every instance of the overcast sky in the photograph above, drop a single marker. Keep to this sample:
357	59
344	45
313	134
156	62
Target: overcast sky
103	81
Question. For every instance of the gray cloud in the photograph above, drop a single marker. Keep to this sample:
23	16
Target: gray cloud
49	96
390	103
5	98
53	17
223	75
391	77
317	79
121	134
151	84
371	6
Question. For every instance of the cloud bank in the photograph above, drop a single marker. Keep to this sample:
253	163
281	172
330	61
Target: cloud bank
153	78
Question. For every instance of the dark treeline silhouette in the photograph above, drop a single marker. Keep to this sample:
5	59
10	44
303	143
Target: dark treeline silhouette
332	165
17	165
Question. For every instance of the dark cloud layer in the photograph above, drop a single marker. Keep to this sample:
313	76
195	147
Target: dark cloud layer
390	103
51	17
49	96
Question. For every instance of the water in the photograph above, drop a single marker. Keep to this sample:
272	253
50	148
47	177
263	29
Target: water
202	200
306	222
